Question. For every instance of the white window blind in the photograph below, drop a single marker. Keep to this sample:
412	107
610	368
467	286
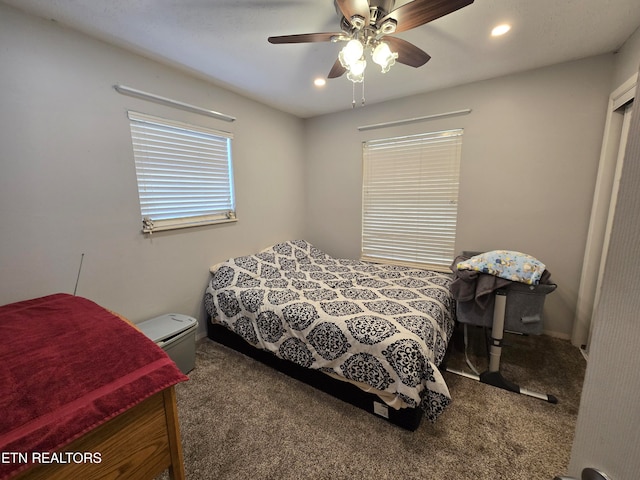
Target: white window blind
184	172
410	199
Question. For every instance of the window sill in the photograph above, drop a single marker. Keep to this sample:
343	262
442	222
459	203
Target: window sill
186	224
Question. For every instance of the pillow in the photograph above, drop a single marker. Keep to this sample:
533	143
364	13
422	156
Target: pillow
515	266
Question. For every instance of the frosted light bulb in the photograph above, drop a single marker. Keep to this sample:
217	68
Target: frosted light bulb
383	56
357	68
353	51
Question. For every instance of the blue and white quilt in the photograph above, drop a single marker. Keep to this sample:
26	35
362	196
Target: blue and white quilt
507	264
382	325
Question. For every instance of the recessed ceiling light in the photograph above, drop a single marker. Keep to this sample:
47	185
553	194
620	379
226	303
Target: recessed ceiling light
319	82
500	30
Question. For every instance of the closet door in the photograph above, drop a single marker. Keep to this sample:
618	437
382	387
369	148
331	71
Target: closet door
606	434
626	111
602	212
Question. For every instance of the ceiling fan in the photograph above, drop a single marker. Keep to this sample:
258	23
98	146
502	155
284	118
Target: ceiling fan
370	25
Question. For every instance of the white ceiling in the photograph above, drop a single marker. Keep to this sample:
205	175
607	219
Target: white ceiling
225	41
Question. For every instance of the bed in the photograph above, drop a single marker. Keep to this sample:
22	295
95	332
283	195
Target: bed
88	395
371	334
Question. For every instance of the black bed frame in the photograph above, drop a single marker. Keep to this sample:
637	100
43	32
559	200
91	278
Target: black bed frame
407	418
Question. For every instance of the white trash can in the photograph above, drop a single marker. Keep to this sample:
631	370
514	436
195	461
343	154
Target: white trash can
176	335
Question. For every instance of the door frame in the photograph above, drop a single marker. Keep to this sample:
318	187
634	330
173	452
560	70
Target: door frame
602	210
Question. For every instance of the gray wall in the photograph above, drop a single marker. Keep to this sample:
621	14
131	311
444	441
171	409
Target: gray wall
67	181
529	162
626	60
67	187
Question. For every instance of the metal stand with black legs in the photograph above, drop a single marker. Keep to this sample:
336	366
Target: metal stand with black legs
493	376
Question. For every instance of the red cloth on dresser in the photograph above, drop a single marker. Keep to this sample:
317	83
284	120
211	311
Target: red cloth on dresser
68	365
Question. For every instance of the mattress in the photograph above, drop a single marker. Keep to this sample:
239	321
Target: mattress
384	327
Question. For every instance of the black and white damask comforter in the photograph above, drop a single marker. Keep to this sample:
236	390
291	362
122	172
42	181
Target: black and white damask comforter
382	325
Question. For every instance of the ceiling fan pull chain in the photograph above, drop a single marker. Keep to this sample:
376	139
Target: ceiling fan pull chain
353	95
363	92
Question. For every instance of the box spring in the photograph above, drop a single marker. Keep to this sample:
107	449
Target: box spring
407	418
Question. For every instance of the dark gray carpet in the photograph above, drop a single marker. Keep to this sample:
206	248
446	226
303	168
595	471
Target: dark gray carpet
240	420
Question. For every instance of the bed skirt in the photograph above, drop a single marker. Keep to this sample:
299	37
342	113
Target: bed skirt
407	418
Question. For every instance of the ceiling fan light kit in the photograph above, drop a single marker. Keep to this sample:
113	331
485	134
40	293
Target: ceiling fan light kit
370	25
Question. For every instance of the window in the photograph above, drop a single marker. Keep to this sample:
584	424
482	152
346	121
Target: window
184	172
410	199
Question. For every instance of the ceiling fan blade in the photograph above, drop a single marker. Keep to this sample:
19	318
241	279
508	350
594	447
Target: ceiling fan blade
304	38
349	8
418	12
337	70
408	53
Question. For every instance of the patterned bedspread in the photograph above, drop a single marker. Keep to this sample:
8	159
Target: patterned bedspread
383	325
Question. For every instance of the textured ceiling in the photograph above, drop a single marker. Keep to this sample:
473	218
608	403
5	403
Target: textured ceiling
226	42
